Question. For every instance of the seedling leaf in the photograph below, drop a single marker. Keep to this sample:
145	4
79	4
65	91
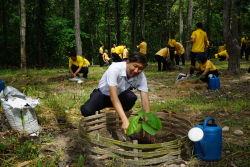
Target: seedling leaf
133	125
141	113
148	128
154	121
139	128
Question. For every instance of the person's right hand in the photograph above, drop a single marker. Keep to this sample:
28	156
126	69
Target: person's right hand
125	125
192	66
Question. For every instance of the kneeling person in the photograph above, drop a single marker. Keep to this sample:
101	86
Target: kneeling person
114	89
223	55
106	58
78	64
205	67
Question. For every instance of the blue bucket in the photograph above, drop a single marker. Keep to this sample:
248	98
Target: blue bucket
214	82
2	87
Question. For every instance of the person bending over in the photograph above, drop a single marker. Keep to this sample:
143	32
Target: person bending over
106	58
205	67
222	55
160	56
78	64
118	50
179	53
114	89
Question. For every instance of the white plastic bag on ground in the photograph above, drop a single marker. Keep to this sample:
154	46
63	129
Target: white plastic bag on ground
13	103
78	80
181	77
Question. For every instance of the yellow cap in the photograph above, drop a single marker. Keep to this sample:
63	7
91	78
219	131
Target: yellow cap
216	56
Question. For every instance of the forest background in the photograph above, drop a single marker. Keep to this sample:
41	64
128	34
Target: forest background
50	26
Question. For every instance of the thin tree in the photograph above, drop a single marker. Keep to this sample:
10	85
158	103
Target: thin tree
22	35
230	34
189	23
208	19
181	21
77	29
142	20
109	31
5	35
118	22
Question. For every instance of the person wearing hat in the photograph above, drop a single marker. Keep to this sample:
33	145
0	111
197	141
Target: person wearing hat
222	55
205	67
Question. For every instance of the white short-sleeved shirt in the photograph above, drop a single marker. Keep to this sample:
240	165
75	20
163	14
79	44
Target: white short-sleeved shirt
116	75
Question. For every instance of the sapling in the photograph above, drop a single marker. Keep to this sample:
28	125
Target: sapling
151	126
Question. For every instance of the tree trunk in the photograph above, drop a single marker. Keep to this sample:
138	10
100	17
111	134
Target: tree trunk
109	33
93	47
77	29
63	9
22	36
167	22
181	21
231	35
208	19
142	20
189	23
118	22
5	35
135	11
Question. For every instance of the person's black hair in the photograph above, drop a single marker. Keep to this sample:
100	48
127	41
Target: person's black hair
142	39
138	57
101	45
172	36
203	60
72	54
199	25
125	45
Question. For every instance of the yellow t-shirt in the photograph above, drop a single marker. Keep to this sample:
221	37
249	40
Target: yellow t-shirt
163	52
208	43
80	62
221	48
119	50
208	64
101	50
125	53
179	48
244	40
172	42
143	47
224	53
199	43
112	50
105	57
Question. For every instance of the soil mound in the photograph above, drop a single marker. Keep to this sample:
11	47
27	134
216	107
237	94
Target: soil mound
191	86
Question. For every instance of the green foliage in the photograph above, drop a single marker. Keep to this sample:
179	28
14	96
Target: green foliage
80	161
151	126
2	146
22	118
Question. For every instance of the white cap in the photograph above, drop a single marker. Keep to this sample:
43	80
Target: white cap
195	134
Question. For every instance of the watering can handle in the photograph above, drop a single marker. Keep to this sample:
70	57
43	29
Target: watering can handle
206	120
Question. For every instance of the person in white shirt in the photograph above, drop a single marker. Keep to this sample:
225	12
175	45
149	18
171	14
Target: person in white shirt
114	89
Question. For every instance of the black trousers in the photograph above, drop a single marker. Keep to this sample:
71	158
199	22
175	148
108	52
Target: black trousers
243	49
116	57
161	59
222	58
193	56
101	60
100	101
183	59
177	59
247	53
206	79
171	50
84	70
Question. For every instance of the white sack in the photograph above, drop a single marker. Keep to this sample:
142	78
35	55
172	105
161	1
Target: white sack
181	77
13	102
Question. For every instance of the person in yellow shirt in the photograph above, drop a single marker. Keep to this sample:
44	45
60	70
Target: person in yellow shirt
222	55
143	46
78	64
100	55
205	68
179	53
118	50
199	40
106	58
243	47
171	45
125	54
161	56
113	48
222	47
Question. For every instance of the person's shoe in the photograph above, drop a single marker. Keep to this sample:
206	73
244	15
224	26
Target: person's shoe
191	75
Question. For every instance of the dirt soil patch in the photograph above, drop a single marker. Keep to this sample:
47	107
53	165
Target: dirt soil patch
191	86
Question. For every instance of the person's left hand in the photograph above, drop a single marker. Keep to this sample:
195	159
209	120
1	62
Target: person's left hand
150	137
74	75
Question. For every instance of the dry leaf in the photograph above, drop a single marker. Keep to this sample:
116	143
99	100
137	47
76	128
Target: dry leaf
24	163
60	83
54	94
229	92
22	88
225	76
28	84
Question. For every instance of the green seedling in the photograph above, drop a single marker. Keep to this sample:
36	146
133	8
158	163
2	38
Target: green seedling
151	126
2	146
198	77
